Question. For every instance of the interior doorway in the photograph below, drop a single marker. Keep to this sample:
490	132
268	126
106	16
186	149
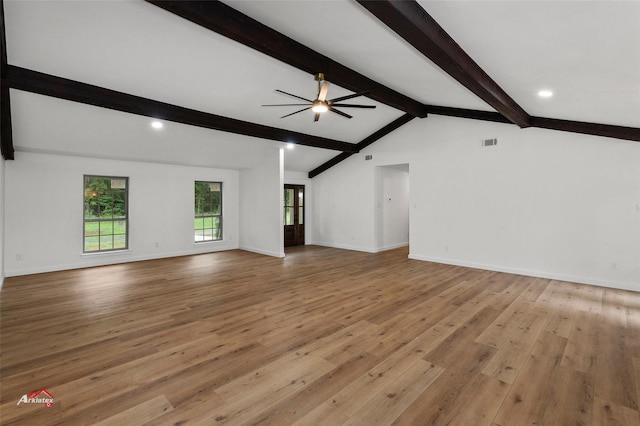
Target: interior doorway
293	215
392	206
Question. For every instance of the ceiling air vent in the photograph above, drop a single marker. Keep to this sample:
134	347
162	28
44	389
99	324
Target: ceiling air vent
490	142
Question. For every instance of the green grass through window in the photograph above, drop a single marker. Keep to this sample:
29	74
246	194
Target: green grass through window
105	235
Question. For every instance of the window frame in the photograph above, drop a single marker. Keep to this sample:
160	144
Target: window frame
219	216
99	221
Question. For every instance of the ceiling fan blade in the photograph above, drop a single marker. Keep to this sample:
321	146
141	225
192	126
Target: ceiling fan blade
295	96
284	105
322	94
344	98
353	106
303	109
316	117
339	112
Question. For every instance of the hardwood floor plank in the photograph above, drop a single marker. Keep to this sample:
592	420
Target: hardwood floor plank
582	346
149	410
529	396
435	335
563	303
321	337
440	401
71	365
607	413
71	338
94	389
464	333
195	410
515	347
570	398
478	403
509	318
613	309
322	415
250	395
255	384
633	326
387	405
614	361
340	345
354	395
591	300
636	370
301	406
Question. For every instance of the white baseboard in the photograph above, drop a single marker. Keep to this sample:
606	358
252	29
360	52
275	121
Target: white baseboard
343	246
260	251
114	258
529	273
392	246
358	248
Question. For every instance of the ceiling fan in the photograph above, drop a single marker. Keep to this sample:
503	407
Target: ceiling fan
321	103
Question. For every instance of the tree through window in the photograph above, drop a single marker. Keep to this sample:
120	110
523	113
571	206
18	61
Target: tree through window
208	211
105	213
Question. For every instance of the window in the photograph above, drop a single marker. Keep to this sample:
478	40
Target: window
208	211
105	213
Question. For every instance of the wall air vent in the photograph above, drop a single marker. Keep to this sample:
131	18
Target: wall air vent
368	157
490	142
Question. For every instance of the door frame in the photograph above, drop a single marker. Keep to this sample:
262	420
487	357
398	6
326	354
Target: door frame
299	229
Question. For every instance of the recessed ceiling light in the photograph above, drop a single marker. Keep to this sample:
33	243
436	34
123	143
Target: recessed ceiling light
156	124
291	145
545	93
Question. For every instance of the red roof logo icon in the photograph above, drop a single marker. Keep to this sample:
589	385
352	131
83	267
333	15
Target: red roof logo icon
36	394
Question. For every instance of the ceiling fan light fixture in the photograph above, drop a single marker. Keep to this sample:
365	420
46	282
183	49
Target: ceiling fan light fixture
319	106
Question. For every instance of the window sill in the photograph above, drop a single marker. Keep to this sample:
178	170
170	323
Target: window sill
199	243
106	253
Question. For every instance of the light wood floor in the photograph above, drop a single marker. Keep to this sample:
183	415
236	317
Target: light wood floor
322	337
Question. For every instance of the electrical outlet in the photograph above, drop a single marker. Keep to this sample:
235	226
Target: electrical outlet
614	266
157	244
19	257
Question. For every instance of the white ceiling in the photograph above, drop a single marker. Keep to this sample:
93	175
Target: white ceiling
587	52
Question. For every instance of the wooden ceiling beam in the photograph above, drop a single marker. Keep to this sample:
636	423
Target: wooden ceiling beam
363	144
585	128
62	88
328	164
411	22
595	129
222	19
6	131
467	113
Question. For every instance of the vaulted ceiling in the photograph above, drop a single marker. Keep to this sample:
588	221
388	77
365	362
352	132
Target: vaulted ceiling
85	78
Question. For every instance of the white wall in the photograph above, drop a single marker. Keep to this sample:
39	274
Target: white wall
541	202
344	205
1	222
392	206
346	197
43	211
261	205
